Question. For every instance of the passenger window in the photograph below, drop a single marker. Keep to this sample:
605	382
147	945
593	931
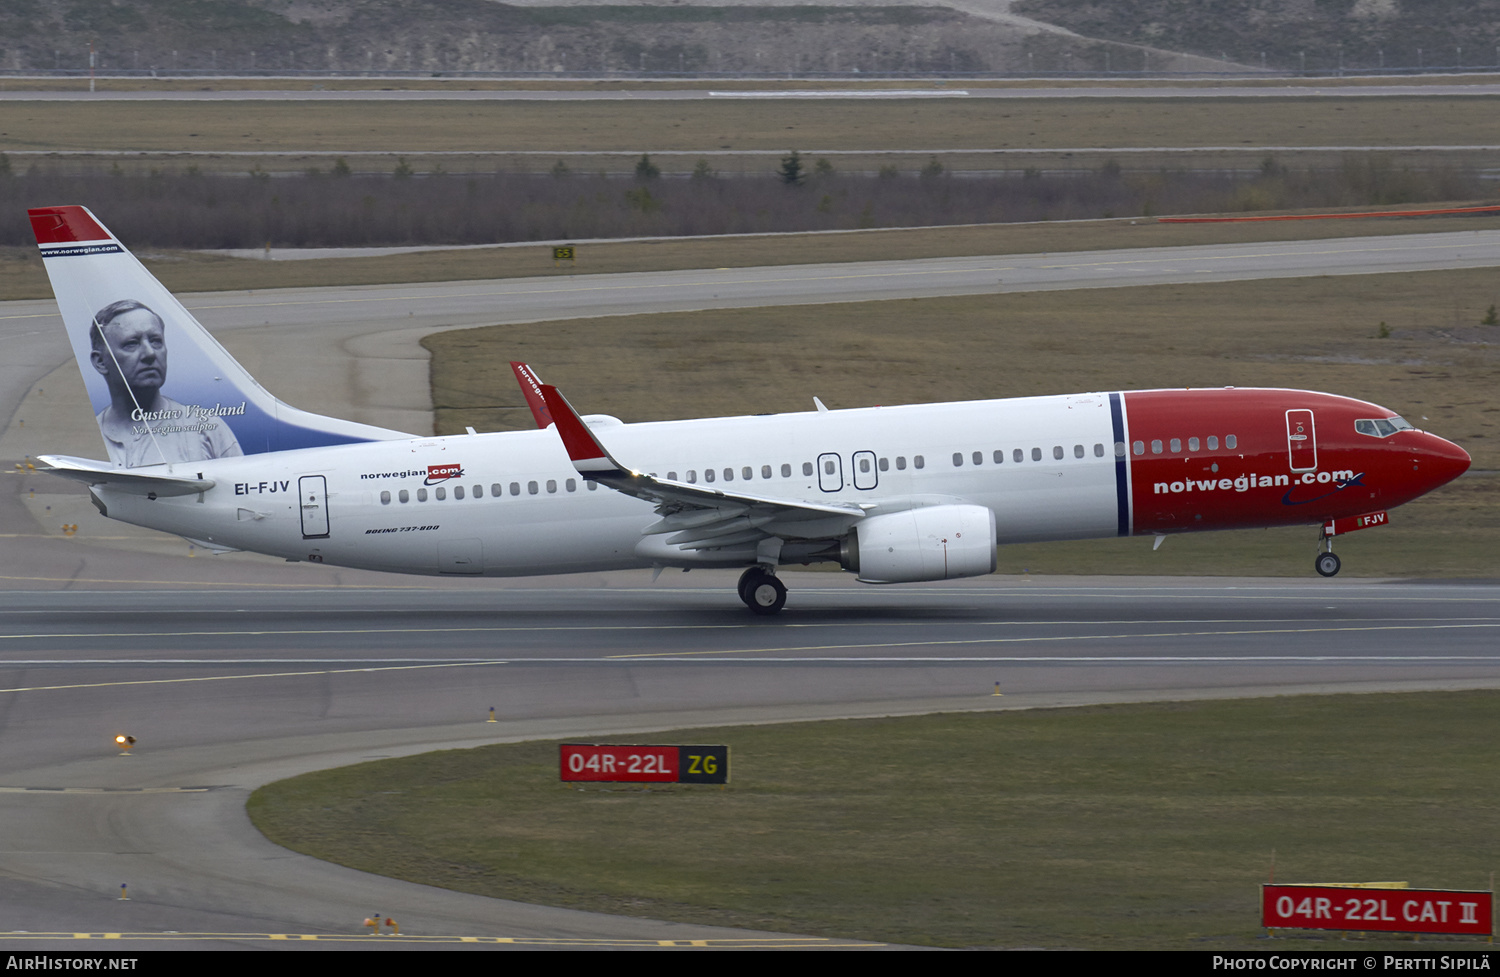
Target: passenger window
1036	454
828	467
900	463
495	490
807	468
515	488
729	474
917	461
692	478
1140	447
571	485
385	498
1176	445
864	465
1077	451
551	486
1018	455
440	492
1099	450
979	457
458	491
1230	441
592	485
1156	447
1057	452
1192	444
421	495
1120	449
885	464
1213	442
786	471
765	471
999	457
404	496
958	459
708	474
531	488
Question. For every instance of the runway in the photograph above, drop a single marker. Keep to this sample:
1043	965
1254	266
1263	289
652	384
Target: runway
957	88
235	672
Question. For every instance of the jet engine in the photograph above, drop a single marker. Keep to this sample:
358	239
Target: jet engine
937	542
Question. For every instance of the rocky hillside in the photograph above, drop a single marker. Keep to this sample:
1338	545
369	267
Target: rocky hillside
1322	34
437	36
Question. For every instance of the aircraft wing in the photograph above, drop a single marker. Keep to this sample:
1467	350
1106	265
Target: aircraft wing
697	517
138	481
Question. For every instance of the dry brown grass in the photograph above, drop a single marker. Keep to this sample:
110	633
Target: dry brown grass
414	127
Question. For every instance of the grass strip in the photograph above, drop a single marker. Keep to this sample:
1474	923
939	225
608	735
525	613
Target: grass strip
1123	827
740	124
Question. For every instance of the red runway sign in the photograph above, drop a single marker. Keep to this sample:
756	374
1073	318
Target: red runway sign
643	764
1327	907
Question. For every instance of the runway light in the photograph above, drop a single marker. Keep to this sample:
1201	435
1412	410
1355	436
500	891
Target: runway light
124	742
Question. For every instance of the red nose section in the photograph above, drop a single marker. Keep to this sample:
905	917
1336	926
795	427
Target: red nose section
1442	461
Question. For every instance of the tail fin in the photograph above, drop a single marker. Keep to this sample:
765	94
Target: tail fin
121	322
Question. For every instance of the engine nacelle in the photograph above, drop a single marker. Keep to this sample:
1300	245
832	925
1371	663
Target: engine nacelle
937	542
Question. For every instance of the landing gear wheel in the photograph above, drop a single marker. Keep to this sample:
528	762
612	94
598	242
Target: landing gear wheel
761	591
1327	564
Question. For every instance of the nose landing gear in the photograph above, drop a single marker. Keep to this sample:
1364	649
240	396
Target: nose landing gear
761	591
1327	563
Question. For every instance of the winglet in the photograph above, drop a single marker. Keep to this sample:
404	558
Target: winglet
589	457
531	387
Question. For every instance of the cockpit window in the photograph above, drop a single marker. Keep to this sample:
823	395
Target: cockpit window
1382	427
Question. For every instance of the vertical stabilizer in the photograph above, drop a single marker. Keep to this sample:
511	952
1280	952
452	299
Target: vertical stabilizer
154	408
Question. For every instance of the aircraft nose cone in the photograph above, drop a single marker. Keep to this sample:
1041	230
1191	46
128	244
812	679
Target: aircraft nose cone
1443	461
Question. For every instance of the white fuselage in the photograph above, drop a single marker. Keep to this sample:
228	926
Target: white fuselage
511	504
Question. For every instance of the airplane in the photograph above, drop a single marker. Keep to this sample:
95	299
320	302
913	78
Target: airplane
892	494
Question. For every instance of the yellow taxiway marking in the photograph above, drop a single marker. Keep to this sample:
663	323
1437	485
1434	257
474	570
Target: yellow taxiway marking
1122	637
1392	622
237	678
731	942
137	584
782	651
104	790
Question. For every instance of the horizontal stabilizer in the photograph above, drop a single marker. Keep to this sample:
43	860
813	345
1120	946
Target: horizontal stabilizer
137	481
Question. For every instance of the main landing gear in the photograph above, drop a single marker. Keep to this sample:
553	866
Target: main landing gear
761	591
1327	563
